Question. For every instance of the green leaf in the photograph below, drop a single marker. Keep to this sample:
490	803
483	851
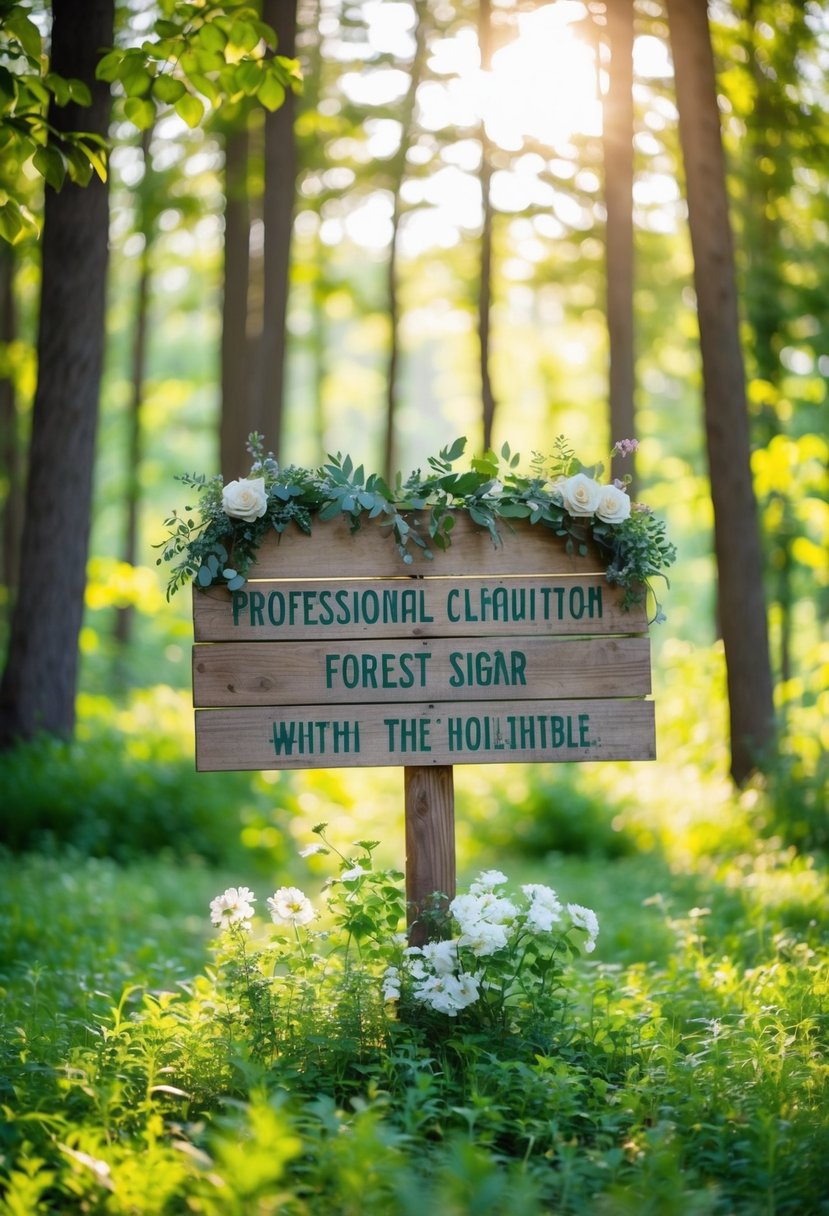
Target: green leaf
244	35
79	92
12	224
59	86
50	165
168	89
190	109
204	578
330	509
136	82
271	93
78	164
108	67
454	452
25	31
211	37
248	76
140	112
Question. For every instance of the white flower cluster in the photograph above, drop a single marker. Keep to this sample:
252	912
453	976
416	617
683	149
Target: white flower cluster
447	976
583	497
287	906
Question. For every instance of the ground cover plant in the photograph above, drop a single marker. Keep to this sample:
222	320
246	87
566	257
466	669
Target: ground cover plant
154	1062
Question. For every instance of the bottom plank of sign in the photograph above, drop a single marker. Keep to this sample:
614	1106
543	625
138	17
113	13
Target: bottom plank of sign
480	732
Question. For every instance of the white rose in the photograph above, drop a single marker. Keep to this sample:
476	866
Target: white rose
245	499
614	505
580	494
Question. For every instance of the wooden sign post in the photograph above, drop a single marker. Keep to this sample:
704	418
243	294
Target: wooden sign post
335	654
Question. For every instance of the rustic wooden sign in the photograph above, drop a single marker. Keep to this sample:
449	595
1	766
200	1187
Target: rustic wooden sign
336	654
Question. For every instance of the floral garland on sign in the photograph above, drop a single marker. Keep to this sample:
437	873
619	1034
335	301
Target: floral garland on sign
218	543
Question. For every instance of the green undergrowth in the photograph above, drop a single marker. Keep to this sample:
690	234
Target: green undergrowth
687	1071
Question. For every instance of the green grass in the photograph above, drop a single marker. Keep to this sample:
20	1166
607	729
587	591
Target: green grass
687	1074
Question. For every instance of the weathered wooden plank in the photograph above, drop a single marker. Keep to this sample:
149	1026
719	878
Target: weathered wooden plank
333	551
413	607
440	733
438	669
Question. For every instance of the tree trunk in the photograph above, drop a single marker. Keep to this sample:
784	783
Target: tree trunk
233	426
736	531
280	187
398	173
9	434
125	616
488	403
617	145
39	681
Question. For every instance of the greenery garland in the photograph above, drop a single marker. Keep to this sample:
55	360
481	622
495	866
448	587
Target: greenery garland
218	542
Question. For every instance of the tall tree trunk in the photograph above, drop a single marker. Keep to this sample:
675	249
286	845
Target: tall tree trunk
736	531
488	403
39	682
124	617
280	186
618	192
234	425
9	434
398	173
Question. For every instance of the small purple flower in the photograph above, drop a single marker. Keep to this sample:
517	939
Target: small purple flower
625	447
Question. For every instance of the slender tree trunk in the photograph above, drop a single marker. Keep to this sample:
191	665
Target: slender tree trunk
618	192
233	426
736	531
488	402
398	173
39	681
9	435
280	185
124	617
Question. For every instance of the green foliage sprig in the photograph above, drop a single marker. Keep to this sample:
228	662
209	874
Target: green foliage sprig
218	542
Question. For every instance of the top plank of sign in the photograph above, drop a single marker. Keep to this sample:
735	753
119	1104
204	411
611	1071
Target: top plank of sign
338	584
333	551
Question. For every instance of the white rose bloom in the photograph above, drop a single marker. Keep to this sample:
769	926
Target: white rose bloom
484	938
614	505
545	907
486	880
289	906
391	984
580	494
441	956
585	918
246	499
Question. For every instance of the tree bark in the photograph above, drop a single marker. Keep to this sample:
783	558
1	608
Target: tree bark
233	425
398	173
617	144
267	399
39	681
736	530
125	616
9	435
488	402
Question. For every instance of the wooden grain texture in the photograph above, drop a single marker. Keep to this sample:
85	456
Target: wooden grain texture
332	551
430	840
476	732
439	669
429	606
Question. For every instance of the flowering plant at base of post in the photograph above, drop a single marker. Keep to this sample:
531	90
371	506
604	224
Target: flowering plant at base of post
340	982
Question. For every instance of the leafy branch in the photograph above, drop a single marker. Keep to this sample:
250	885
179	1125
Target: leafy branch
212	545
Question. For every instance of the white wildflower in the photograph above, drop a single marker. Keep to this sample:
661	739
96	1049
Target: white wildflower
391	984
233	907
289	906
355	872
311	850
